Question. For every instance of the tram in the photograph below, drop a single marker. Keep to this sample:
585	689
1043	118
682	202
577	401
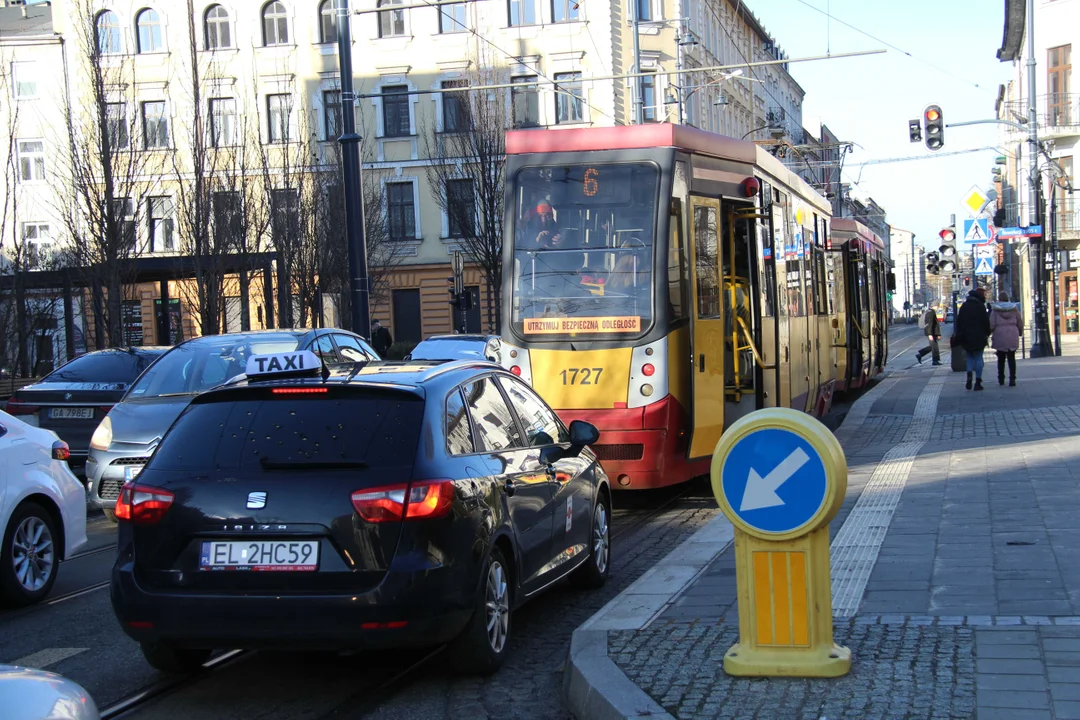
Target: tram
862	338
661	282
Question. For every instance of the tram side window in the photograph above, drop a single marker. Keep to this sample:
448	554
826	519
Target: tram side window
707	252
809	273
824	298
678	268
767	253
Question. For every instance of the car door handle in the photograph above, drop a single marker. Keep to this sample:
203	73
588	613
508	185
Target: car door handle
701	362
508	488
550	472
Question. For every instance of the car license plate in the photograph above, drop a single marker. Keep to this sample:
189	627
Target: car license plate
274	555
131	472
71	413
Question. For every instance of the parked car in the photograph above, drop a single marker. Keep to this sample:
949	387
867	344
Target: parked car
458	347
73	399
31	694
127	436
42	510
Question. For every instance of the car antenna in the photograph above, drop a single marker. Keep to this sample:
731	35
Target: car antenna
325	372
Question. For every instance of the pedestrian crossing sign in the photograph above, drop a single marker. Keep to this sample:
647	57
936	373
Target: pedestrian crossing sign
976	231
984	267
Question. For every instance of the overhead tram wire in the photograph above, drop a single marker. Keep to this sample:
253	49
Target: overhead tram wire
900	50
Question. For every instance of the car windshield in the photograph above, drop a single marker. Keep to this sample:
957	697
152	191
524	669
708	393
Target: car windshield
448	349
201	364
583	250
110	366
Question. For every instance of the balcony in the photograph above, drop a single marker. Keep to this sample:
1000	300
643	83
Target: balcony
1058	114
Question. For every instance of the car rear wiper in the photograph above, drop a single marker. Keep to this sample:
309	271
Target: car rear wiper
268	464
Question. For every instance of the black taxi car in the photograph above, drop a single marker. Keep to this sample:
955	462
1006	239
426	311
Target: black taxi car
386	505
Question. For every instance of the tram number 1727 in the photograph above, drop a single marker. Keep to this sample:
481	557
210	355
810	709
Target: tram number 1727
581	376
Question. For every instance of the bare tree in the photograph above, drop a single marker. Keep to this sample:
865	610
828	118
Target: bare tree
103	200
12	320
466	175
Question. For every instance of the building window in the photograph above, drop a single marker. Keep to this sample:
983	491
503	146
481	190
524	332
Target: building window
401	211
452	18
278	111
218	32
461	208
123	214
455	106
117	118
395	108
522	12
565	10
37	242
391	22
227	219
569	98
31	160
275	24
161	225
148	23
108	33
24	80
525	101
1058	85
155	125
644	9
328	20
284	217
222	122
648	97
332	113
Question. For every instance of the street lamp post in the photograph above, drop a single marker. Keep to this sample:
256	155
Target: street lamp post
352	180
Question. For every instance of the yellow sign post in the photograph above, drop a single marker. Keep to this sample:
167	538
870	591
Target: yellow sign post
780	476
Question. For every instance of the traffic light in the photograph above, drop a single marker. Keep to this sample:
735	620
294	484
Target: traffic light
914	128
934	127
999	218
455	298
932	260
947	250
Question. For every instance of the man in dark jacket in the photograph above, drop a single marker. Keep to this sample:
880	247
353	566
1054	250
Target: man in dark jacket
971	331
380	339
932	328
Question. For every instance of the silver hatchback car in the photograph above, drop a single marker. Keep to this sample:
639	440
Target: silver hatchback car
129	434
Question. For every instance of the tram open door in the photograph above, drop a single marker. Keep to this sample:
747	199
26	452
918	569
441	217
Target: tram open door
726	328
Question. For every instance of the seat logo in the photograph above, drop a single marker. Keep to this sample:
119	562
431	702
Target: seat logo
256	500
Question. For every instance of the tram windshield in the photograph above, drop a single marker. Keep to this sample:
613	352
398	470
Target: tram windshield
583	250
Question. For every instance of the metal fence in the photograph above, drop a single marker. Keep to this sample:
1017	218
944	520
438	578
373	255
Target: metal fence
1052	110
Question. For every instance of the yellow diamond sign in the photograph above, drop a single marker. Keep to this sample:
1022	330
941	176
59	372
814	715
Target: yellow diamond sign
974	200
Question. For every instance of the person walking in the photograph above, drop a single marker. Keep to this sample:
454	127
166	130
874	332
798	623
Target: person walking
971	332
1005	327
380	338
932	329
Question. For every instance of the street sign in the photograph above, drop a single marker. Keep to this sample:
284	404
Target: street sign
974	200
976	231
1074	255
780	476
1021	232
984	266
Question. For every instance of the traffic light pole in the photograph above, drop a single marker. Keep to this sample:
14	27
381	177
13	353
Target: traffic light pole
352	180
1040	344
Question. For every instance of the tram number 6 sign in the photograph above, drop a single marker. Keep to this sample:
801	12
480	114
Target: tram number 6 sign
591	185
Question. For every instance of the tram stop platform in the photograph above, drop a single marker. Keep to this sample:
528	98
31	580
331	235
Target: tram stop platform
955	571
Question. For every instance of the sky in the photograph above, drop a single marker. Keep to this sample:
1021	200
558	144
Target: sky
951	60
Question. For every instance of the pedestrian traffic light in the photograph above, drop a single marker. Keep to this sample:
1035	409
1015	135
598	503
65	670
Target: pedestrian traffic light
914	130
934	127
455	299
932	260
947	250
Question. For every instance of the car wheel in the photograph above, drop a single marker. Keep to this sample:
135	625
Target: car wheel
110	514
482	645
594	573
171	659
29	556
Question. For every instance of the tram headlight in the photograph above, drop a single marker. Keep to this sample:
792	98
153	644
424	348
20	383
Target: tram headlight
647	390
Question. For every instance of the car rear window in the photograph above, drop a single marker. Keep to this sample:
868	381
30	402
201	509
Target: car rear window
377	428
102	367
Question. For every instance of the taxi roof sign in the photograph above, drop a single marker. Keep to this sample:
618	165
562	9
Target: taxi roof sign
287	363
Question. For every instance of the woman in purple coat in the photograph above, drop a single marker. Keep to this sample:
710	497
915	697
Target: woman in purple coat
1005	328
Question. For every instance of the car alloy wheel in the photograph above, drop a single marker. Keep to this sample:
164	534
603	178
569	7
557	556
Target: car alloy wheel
498	607
32	554
601	541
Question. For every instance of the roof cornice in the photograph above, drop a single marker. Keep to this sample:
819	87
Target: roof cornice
1013	37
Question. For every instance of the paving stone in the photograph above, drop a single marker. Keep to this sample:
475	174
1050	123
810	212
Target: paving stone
1013	699
1065	691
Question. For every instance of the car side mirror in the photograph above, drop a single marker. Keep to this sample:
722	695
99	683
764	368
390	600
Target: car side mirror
582	434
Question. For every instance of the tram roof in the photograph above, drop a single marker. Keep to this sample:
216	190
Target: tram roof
650	135
849	225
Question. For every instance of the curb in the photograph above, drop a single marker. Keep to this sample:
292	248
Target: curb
594	688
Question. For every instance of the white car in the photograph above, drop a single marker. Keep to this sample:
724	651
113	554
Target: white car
42	510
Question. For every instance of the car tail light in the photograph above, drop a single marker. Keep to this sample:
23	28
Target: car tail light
298	391
426	499
141	504
61	451
18	407
105	408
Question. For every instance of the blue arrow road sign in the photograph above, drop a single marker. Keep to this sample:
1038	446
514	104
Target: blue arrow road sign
774	480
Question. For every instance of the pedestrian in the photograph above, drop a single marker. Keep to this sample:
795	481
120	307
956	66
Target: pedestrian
1006	326
380	338
932	328
971	332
